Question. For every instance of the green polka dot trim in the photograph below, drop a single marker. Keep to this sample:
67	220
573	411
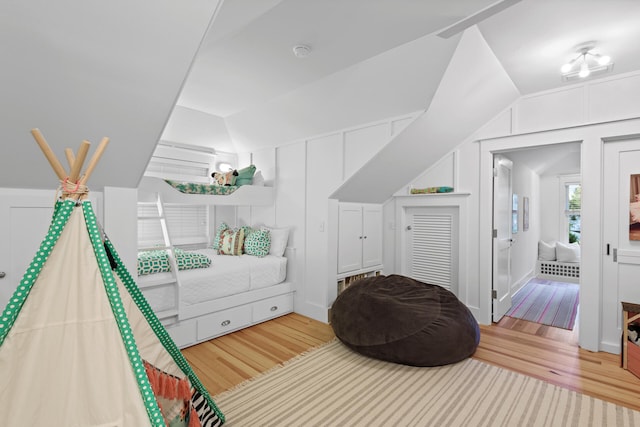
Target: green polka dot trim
159	330
111	288
257	243
62	212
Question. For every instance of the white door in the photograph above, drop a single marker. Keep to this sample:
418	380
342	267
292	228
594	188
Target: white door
432	245
371	235
502	219
24	221
621	254
349	237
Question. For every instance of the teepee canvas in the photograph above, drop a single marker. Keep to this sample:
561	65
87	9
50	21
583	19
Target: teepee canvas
79	344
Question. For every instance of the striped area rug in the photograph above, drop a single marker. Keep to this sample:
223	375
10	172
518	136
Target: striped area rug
546	302
333	386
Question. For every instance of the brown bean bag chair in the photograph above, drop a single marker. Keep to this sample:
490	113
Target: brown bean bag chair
399	319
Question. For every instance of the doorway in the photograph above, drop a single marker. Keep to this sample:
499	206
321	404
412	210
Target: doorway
538	175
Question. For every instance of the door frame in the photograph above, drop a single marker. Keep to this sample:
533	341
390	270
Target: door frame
592	137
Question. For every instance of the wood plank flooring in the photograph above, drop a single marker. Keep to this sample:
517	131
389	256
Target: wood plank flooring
227	361
550	354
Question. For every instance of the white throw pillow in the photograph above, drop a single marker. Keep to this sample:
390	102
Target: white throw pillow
279	239
568	253
546	251
258	179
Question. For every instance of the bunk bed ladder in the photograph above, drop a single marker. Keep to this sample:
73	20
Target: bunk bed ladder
168	315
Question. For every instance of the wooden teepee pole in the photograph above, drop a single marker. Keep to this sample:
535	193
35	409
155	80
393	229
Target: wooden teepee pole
48	153
79	161
94	160
68	152
75	165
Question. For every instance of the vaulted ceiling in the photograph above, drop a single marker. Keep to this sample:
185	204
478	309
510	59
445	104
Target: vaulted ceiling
226	76
375	59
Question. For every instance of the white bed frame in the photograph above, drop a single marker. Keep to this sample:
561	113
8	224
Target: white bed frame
245	195
201	322
196	323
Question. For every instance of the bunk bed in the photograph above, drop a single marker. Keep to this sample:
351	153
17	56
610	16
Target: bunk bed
254	195
234	292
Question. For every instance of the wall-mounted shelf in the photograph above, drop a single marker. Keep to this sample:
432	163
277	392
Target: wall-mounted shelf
453	193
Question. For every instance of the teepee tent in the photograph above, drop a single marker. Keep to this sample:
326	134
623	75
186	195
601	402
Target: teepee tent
79	344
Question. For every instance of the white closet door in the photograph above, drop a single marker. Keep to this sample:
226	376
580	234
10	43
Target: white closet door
372	235
350	237
24	221
432	240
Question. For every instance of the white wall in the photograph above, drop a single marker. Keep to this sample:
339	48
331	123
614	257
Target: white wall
524	252
550	206
307	172
462	103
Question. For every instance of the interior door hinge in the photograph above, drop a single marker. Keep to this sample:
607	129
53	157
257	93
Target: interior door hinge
494	294
495	172
495	233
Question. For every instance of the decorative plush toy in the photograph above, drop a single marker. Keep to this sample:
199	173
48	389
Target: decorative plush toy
224	179
634	333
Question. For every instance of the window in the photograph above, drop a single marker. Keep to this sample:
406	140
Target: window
573	203
187	224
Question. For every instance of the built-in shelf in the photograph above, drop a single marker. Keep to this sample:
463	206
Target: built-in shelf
347	280
454	193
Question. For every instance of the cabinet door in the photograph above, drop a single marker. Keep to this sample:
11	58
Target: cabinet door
349	237
372	235
24	220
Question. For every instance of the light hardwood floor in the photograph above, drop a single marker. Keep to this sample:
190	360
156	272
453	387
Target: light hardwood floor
543	352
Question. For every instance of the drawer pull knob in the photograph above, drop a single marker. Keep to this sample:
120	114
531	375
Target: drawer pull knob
274	308
225	323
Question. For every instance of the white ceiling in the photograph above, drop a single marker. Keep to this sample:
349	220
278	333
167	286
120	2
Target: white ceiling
373	59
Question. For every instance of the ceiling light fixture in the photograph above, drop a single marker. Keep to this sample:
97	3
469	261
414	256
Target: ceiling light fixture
586	63
301	51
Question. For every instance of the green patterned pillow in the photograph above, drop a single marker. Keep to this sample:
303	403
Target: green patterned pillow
150	262
245	175
257	243
188	260
216	240
231	242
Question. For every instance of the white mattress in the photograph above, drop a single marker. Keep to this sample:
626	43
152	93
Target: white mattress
228	275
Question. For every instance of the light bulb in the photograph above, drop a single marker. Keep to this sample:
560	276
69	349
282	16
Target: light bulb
566	68
584	70
604	60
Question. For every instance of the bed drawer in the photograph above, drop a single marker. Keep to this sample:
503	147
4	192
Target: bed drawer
272	307
183	333
223	322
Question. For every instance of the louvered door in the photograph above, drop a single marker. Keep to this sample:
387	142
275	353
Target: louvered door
432	241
